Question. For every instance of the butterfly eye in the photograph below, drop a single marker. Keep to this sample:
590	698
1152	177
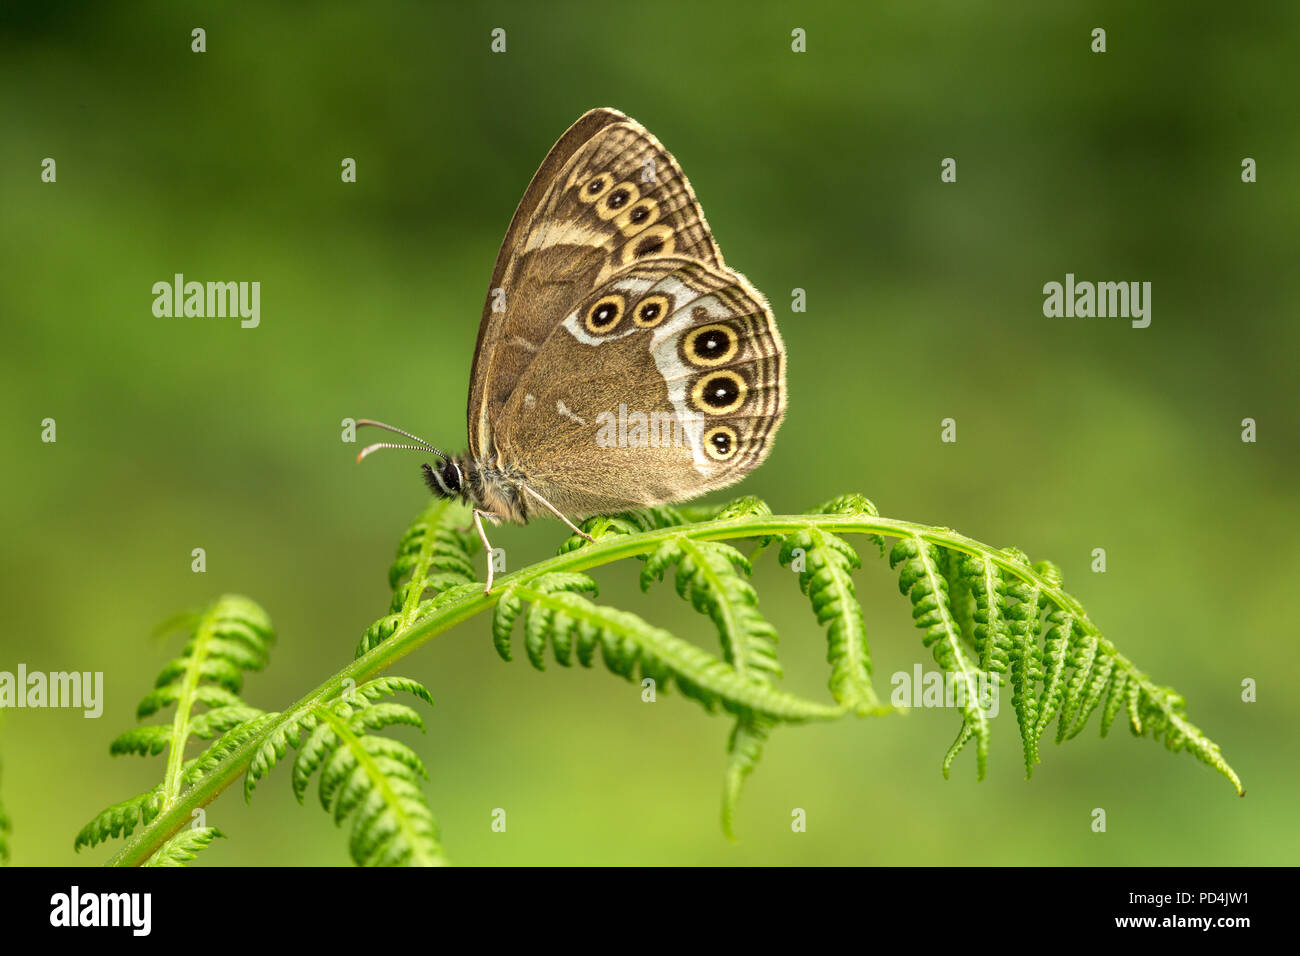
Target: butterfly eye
719	393
710	345
604	314
721	443
594	188
652	310
641	214
655	241
451	477
616	200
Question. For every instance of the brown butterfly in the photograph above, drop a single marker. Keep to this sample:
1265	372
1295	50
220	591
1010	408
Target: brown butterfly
620	363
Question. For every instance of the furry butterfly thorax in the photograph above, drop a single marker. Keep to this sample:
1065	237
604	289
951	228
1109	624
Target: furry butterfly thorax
620	363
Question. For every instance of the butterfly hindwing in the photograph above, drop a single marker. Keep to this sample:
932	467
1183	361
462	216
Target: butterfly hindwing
663	383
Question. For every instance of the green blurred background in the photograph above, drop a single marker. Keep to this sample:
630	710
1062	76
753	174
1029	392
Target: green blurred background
817	171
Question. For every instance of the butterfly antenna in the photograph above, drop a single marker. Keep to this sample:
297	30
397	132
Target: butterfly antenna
385	444
421	445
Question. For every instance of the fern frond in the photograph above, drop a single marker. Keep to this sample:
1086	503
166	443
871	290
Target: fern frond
214	722
184	846
374	779
1059	644
434	567
146	741
121	819
231	636
392	825
992	631
983	612
961	596
1090	693
285	735
990	624
627	522
747	506
1161	713
825	563
920	577
713	576
432	545
1097	669
630	647
1076	667
210	695
1025	658
744	748
224	747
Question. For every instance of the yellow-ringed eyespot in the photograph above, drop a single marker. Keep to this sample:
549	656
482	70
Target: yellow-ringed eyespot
721	443
595	187
604	314
616	200
710	345
640	215
655	241
719	393
652	310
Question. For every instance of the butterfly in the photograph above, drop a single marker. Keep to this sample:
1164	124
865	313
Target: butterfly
620	363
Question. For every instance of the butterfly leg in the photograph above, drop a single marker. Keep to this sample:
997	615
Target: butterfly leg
555	511
487	545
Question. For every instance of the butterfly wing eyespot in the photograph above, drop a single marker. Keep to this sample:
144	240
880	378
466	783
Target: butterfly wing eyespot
655	241
637	217
710	345
719	393
652	310
604	314
594	189
616	200
721	443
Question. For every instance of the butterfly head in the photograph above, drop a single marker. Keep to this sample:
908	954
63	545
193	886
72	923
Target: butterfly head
445	481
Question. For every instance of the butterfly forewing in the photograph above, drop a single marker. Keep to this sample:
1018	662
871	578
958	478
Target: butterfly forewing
608	194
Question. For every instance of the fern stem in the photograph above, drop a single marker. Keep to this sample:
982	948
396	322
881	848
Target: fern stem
184	707
608	549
